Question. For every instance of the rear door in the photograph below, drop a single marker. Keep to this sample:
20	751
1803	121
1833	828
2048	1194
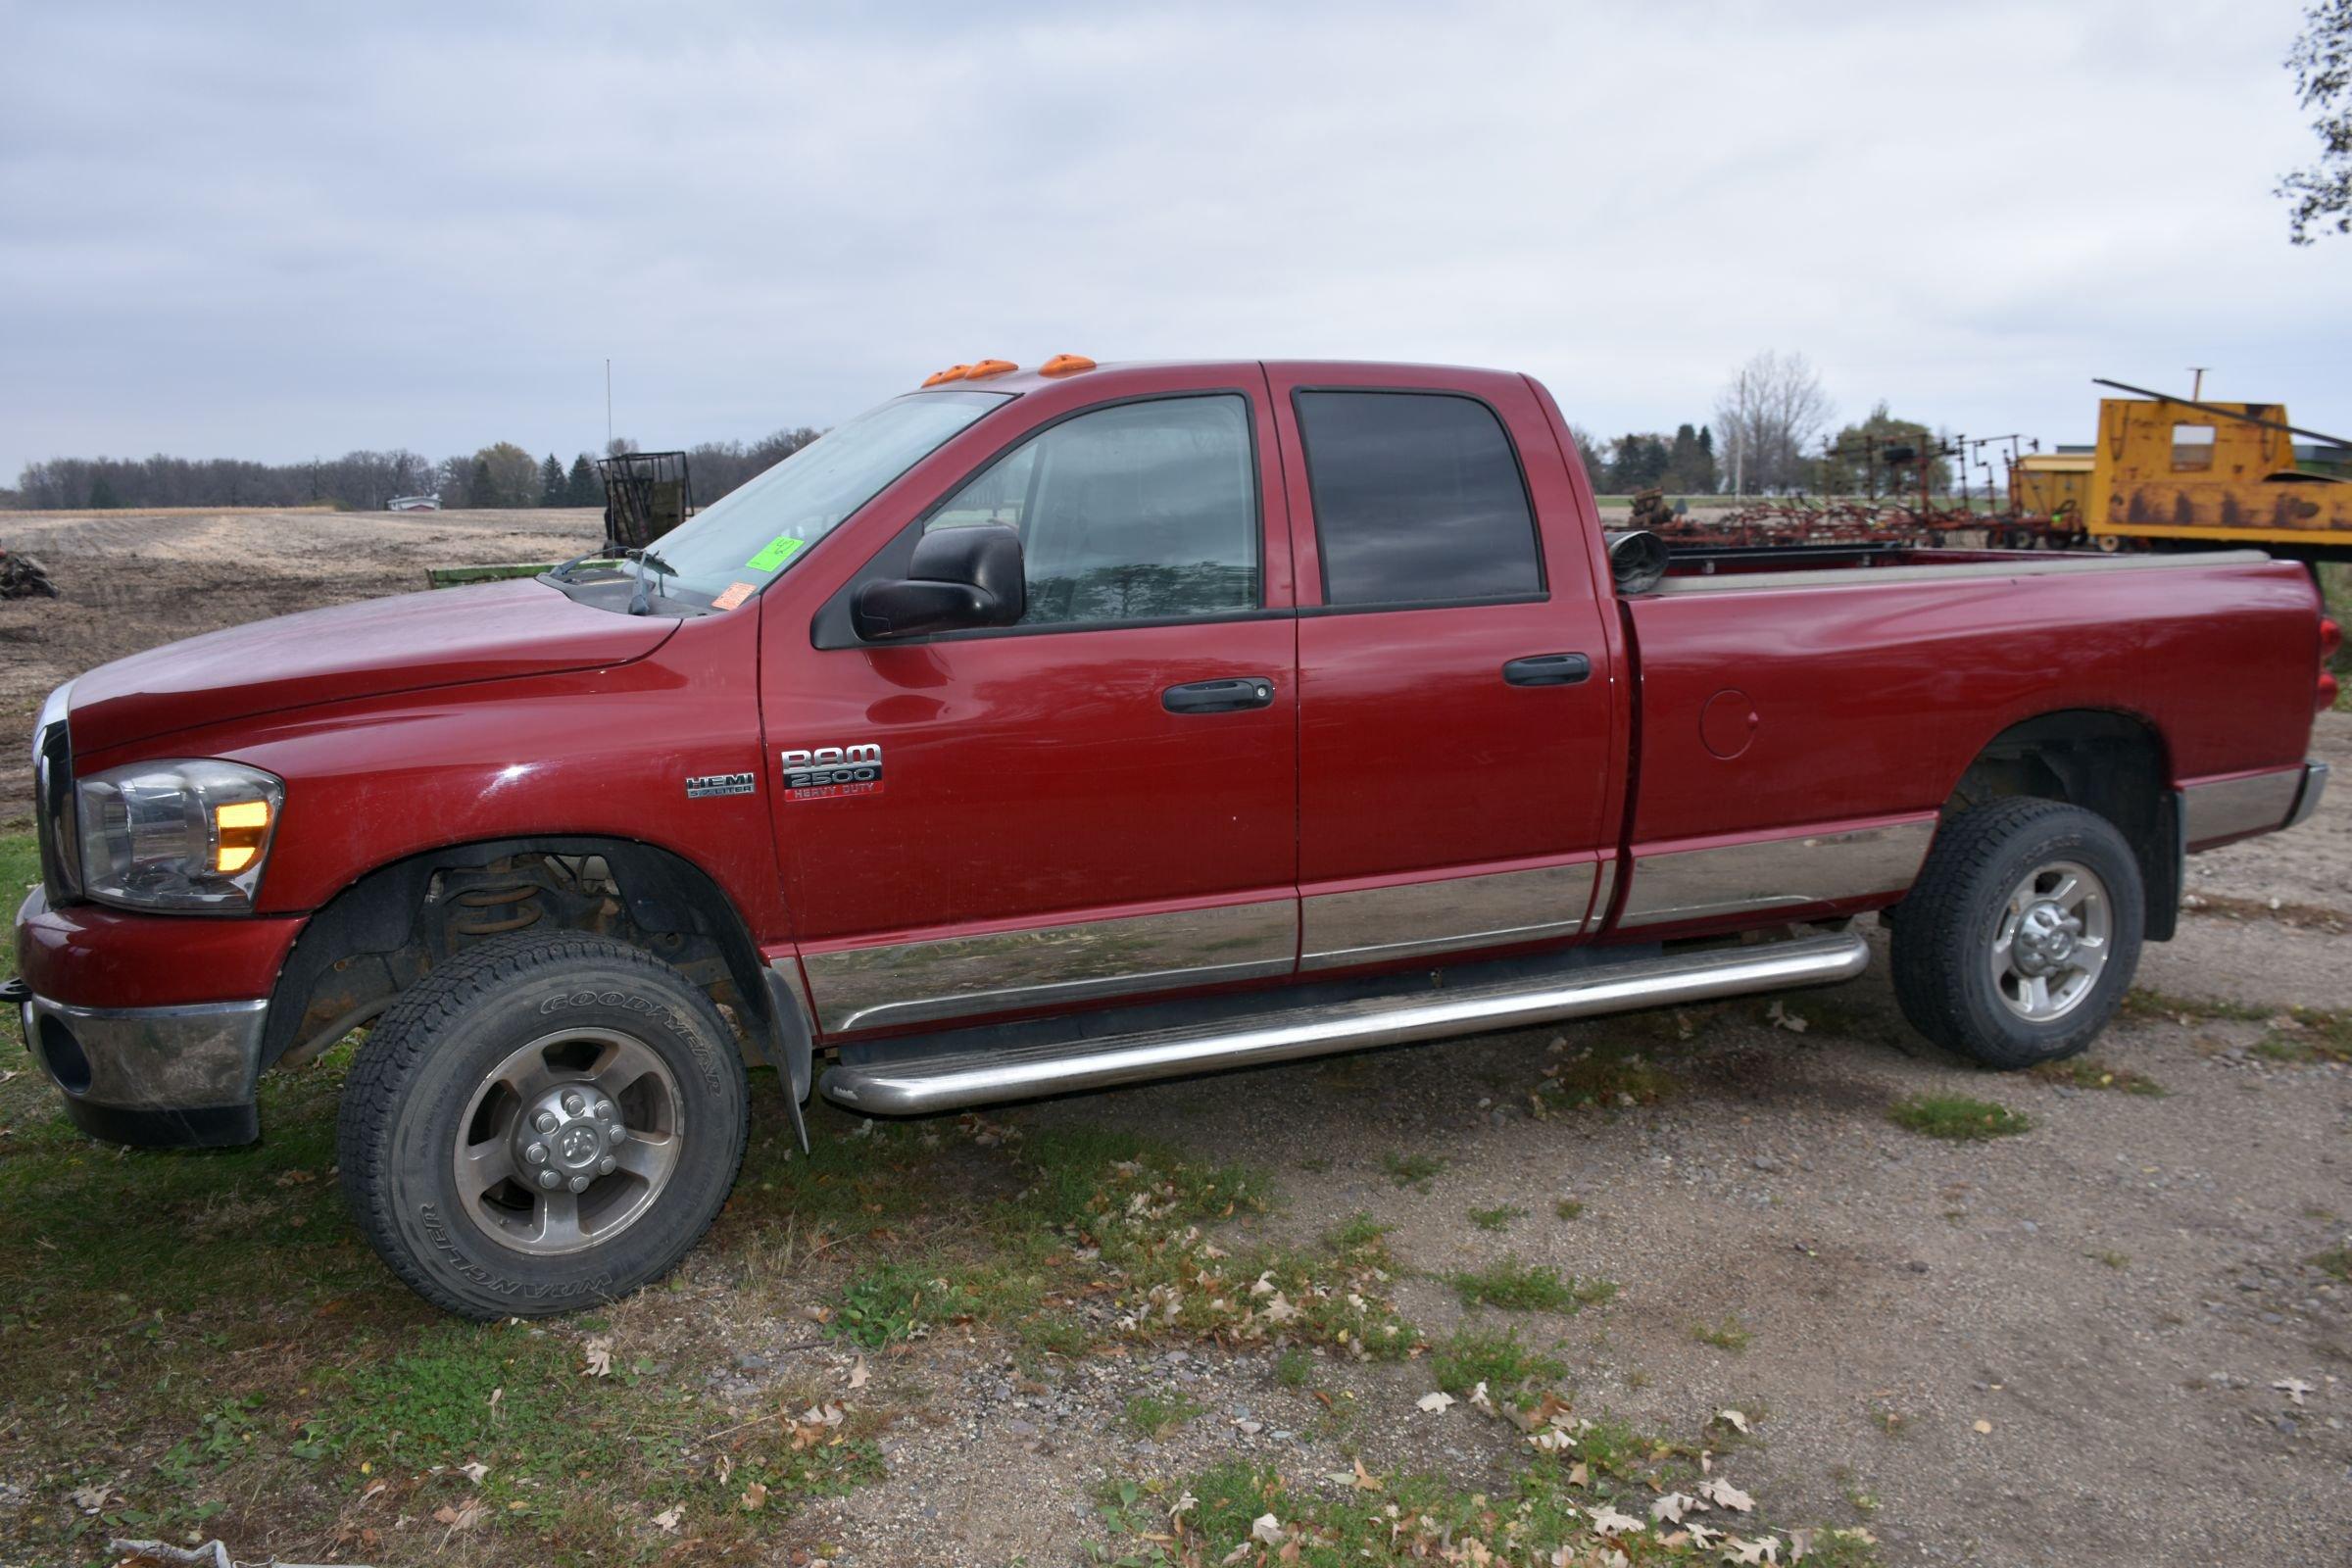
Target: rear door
1098	801
1455	749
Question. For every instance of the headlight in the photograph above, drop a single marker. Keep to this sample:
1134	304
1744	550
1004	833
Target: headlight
177	835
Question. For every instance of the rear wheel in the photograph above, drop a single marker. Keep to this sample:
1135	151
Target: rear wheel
2021	934
546	1122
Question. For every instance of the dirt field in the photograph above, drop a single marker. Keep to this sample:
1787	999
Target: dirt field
2122	1335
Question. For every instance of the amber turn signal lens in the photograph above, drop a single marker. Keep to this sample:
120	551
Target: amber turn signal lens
1065	363
239	829
989	368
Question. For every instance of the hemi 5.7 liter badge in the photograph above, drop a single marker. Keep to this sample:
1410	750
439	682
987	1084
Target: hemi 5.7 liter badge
820	772
720	784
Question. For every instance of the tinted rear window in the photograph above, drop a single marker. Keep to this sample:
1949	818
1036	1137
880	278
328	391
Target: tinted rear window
1418	500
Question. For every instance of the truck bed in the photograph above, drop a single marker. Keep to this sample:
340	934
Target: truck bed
1760	566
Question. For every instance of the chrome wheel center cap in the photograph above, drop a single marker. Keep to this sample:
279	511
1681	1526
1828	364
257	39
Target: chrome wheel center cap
2045	938
568	1138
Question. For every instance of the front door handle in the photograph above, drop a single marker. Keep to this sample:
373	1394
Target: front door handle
1218	696
1547	669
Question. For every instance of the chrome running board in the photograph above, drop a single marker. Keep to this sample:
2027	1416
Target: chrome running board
921	1084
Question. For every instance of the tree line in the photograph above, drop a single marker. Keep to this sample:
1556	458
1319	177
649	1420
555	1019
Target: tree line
498	476
1766	436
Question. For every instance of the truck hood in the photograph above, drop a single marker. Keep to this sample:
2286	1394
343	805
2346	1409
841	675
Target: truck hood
492	631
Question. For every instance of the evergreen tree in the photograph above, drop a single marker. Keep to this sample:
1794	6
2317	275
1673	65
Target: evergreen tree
1690	462
584	488
483	490
550	482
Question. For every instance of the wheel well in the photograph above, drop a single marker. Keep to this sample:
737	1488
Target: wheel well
387	930
2108	763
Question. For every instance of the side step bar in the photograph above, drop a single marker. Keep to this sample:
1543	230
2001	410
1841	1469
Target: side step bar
926	1084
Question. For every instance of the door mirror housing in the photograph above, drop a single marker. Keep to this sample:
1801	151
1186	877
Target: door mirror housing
957	579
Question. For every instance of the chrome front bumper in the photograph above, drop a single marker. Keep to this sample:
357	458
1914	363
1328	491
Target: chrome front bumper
169	1077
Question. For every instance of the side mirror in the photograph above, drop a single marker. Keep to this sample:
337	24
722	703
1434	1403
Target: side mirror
958	578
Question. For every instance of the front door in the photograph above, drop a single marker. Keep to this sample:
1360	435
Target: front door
1454	675
1097	802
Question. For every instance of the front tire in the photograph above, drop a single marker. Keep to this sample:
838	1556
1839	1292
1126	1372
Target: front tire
2021	936
546	1122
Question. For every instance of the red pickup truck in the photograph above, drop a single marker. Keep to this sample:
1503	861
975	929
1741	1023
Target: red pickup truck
1041	730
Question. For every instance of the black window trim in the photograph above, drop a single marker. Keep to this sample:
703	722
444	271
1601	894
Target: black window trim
1527	493
830	626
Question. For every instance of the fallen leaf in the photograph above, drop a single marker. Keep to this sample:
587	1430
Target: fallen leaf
667	1519
1267	1528
474	1472
1734	1419
858	1374
1672	1506
2293	1388
1724	1495
1365	1480
1436	1403
599	1352
1737	1550
755	1497
1800	1545
466	1516
1609	1522
1779	1018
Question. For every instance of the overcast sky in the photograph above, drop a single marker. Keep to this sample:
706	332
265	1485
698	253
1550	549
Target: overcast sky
276	232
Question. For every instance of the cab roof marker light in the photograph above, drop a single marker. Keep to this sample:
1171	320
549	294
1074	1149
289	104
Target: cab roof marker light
1066	365
954	373
989	368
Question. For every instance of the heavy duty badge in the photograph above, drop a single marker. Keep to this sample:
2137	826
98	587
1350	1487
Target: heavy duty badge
820	772
720	784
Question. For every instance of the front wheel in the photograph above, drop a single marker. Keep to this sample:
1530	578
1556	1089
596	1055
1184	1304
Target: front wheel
2021	934
546	1122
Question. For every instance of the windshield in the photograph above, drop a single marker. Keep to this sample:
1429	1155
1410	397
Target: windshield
732	549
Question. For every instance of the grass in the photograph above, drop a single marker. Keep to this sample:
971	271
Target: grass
1155	1415
2087	1072
19	870
1956	1117
1568	1209
1613	1072
1498	1219
2295	1035
2337	1261
1546	1512
1472	1356
1416	1172
1520	1287
1730	1335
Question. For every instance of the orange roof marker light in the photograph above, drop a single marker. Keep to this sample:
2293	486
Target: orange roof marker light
1066	365
989	368
954	373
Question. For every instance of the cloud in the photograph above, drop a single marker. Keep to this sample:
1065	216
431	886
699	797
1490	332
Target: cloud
274	233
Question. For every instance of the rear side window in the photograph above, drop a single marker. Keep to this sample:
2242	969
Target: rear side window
1418	500
1137	512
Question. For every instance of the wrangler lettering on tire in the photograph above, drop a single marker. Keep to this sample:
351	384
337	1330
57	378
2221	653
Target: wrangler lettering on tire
549	1119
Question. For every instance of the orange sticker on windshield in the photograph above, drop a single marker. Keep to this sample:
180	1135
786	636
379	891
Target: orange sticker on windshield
736	594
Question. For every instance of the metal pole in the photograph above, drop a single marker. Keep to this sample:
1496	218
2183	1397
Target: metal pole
2197	389
607	405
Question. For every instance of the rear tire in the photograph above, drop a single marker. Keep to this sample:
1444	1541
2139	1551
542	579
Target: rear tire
546	1122
2021	936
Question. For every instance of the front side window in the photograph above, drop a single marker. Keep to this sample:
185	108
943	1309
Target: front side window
2192	448
729	550
1139	512
1418	500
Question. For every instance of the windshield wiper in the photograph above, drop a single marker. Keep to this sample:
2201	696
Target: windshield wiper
609	550
640	603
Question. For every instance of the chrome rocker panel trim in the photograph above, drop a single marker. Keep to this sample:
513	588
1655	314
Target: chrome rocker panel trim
2237	807
948	1083
951	977
1784	872
2314	785
1488	911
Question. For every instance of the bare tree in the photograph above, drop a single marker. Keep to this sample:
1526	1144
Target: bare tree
2322	61
1772	406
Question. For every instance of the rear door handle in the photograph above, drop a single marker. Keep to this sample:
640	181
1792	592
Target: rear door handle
1547	669
1219	695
